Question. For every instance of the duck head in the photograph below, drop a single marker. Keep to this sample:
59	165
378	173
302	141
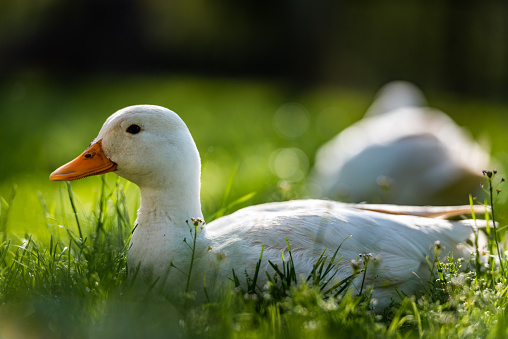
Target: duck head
148	145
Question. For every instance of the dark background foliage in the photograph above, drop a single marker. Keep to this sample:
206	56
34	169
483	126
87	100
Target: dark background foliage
456	46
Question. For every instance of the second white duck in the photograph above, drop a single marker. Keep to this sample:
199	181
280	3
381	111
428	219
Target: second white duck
400	153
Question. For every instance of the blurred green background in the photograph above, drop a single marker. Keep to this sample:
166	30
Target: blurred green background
232	70
458	46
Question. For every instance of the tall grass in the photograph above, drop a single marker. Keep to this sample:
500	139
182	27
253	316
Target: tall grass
62	257
78	286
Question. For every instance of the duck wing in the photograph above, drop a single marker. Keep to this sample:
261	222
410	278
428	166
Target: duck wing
423	211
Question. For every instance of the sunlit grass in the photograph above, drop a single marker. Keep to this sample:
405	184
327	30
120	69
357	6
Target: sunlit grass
55	282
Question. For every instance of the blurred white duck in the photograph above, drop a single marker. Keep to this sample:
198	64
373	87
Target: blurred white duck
152	147
400	153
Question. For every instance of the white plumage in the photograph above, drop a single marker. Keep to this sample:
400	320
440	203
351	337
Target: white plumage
162	159
400	153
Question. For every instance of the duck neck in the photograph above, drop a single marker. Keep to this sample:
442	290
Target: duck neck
161	206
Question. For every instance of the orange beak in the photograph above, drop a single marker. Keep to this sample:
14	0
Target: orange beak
93	161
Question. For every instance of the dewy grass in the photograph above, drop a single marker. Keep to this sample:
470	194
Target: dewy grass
284	279
72	268
55	287
195	230
76	286
490	176
5	216
71	199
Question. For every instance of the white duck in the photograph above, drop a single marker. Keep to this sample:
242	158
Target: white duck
400	153
152	147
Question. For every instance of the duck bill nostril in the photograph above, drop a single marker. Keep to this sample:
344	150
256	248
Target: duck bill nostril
92	161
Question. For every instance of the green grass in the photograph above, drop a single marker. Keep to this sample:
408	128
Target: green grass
62	256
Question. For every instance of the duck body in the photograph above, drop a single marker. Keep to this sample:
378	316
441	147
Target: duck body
398	243
400	153
152	147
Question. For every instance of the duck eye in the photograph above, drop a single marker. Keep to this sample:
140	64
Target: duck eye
133	129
